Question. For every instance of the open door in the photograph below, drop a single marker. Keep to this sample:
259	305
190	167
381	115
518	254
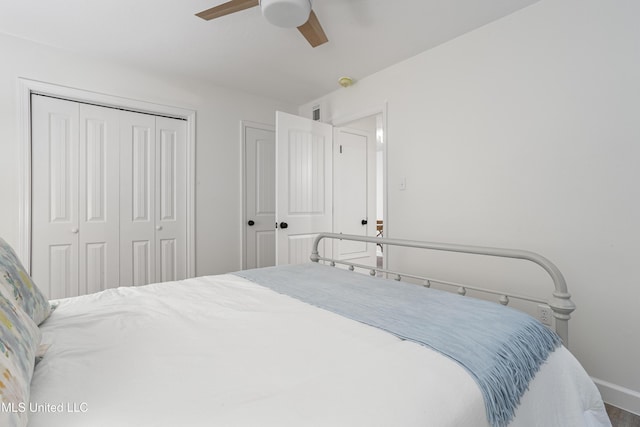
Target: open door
304	199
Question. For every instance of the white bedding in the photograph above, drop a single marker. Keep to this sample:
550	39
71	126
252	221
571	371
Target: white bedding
223	351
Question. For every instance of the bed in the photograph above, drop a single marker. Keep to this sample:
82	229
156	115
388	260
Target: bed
307	345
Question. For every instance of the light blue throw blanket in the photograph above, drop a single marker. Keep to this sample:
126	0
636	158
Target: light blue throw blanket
501	347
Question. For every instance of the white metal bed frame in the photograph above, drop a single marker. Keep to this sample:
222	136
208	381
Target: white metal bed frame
560	302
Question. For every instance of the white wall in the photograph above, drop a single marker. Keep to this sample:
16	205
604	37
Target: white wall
525	133
218	147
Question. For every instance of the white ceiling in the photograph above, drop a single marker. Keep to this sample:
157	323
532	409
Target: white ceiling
242	50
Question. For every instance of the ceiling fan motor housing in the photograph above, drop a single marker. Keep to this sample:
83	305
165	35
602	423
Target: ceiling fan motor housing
286	13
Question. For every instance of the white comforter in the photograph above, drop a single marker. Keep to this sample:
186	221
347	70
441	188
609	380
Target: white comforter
223	351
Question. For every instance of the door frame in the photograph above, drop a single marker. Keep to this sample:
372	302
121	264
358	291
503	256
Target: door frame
244	124
27	86
344	120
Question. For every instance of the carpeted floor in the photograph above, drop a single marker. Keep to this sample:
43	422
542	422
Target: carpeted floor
621	418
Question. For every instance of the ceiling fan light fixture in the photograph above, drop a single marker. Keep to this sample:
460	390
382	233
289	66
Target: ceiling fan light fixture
286	13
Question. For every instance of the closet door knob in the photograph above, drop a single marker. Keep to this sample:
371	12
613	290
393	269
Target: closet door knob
251	223
364	222
158	227
284	225
74	230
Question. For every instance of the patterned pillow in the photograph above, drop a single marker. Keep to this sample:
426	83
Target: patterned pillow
19	339
20	287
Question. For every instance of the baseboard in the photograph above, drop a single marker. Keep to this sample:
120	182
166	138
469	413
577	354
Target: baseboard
622	397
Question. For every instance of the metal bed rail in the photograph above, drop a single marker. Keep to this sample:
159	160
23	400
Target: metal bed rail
560	301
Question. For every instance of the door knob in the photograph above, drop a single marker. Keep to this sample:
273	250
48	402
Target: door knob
284	225
251	223
74	230
158	227
364	222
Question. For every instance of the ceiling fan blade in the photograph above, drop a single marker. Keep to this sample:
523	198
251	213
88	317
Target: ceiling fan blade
312	31
227	8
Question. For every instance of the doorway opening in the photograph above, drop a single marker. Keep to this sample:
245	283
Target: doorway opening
346	178
375	125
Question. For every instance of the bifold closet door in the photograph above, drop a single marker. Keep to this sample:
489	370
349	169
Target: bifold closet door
153	199
108	197
75	158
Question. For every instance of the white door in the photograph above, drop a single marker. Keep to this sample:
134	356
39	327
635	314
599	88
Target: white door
153	199
260	197
171	199
75	197
138	199
304	204
55	223
354	193
98	199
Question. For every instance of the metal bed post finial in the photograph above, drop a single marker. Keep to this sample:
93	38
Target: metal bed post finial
315	257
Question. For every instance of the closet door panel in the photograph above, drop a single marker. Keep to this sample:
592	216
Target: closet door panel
99	198
171	191
141	262
137	199
167	174
168	260
55	223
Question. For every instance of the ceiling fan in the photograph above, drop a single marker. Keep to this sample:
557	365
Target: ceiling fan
283	13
